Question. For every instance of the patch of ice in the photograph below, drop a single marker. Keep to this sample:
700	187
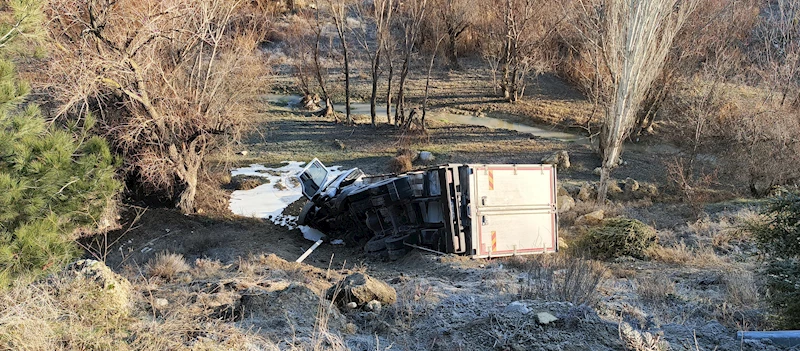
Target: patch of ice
337	242
270	199
311	233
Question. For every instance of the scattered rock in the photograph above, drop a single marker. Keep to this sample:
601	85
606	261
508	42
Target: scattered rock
631	185
373	306
338	144
591	218
613	188
545	318
243	153
597	171
587	193
426	156
161	303
516	307
361	289
352	305
559	158
565	203
560	190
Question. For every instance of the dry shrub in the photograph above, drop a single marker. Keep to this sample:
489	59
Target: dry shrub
680	253
618	237
657	288
400	164
170	83
205	268
560	277
166	265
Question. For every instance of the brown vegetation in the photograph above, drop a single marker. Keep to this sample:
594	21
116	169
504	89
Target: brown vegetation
167	89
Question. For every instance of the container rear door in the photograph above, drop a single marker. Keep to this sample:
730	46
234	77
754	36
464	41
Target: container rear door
515	210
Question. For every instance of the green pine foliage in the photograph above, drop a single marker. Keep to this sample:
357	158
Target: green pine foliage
618	237
778	236
54	180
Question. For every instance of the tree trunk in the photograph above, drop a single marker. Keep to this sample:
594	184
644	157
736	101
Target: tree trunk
452	51
348	118
399	113
187	163
186	201
389	94
373	113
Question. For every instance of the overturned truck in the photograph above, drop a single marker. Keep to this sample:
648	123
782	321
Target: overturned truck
465	209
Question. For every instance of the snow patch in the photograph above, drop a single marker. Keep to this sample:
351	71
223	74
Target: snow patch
311	233
270	199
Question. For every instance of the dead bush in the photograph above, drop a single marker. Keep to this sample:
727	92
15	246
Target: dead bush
656	288
166	265
169	83
561	277
400	164
618	237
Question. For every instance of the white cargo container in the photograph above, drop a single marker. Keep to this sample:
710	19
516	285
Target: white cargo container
512	210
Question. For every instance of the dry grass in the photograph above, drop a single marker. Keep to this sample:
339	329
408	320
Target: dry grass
204	269
167	265
561	277
400	164
658	287
64	313
700	256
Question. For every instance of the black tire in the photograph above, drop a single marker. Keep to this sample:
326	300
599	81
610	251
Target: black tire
304	218
396	243
375	245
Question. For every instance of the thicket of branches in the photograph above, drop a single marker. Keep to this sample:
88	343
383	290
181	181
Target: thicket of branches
170	81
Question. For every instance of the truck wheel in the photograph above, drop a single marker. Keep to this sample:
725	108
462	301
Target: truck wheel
396	243
304	217
375	245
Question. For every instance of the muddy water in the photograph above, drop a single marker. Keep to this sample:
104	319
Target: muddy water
292	101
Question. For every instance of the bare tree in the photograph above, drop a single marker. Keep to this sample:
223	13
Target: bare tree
411	15
428	78
455	15
637	37
339	10
517	40
167	78
380	15
318	68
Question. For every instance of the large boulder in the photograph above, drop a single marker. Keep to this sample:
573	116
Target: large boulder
559	158
94	283
587	193
361	289
591	218
565	203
